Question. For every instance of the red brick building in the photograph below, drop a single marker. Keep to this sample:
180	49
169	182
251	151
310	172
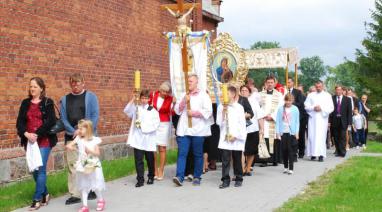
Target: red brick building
104	40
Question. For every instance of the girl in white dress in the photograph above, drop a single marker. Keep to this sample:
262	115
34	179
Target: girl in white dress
88	166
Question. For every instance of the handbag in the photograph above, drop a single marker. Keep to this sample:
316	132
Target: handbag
59	125
263	150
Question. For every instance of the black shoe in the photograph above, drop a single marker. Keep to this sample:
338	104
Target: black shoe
150	181
92	195
274	164
301	156
139	184
295	160
321	159
72	200
224	185
247	174
313	158
264	165
238	183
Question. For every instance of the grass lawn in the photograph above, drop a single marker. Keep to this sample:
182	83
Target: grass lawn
374	128
373	147
353	186
20	194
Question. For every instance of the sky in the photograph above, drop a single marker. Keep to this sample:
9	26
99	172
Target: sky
331	29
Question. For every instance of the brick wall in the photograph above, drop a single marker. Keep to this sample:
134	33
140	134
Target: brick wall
105	40
210	25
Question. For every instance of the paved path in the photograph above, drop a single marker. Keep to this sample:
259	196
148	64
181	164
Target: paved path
266	190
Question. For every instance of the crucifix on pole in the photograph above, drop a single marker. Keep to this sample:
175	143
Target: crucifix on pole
178	11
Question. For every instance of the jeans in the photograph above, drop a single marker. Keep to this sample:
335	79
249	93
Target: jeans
39	175
184	144
360	137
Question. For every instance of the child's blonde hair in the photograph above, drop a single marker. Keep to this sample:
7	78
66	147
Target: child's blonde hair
88	125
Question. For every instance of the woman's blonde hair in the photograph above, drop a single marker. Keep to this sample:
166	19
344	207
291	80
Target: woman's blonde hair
88	125
165	86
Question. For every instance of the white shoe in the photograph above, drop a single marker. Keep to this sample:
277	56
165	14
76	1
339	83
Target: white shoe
285	171
357	147
290	172
190	177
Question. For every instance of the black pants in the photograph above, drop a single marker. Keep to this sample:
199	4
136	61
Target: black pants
339	135
226	163
277	153
288	150
366	130
301	137
211	143
139	165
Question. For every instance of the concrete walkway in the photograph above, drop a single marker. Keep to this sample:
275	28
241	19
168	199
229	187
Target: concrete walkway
266	190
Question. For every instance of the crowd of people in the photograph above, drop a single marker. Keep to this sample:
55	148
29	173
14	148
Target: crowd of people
276	117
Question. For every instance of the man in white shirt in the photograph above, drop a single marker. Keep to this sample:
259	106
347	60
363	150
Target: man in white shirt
200	113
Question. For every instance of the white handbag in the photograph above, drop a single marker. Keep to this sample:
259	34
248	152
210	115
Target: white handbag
263	150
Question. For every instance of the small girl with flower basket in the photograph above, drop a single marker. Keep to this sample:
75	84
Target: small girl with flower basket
88	166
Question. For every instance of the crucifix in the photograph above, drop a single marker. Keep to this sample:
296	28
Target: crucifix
178	11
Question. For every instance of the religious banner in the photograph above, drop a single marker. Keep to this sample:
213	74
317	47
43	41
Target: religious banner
226	64
271	58
198	45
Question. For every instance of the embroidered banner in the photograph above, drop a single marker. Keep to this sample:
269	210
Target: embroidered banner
271	58
198	43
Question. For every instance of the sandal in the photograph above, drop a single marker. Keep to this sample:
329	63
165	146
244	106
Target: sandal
45	200
35	205
84	209
100	205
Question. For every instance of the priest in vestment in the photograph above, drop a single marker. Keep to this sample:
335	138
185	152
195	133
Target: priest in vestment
270	101
318	105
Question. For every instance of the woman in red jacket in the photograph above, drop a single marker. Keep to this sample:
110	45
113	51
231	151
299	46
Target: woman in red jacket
162	101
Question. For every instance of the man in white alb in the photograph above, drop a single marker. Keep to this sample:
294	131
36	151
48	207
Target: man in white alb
318	105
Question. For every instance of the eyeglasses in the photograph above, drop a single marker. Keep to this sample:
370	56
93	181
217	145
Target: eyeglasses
76	84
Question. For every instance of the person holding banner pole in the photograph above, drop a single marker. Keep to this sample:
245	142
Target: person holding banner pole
200	113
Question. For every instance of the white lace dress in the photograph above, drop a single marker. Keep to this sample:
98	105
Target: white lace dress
95	180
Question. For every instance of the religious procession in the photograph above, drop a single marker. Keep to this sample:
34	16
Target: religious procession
209	116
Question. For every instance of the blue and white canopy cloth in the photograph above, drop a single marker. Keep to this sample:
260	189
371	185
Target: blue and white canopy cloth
198	45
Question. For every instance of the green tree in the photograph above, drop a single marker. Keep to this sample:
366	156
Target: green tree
370	62
312	70
265	45
343	74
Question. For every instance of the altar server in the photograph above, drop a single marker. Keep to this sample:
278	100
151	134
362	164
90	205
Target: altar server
233	134
145	122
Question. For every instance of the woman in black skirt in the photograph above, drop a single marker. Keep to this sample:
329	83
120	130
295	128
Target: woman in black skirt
254	129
